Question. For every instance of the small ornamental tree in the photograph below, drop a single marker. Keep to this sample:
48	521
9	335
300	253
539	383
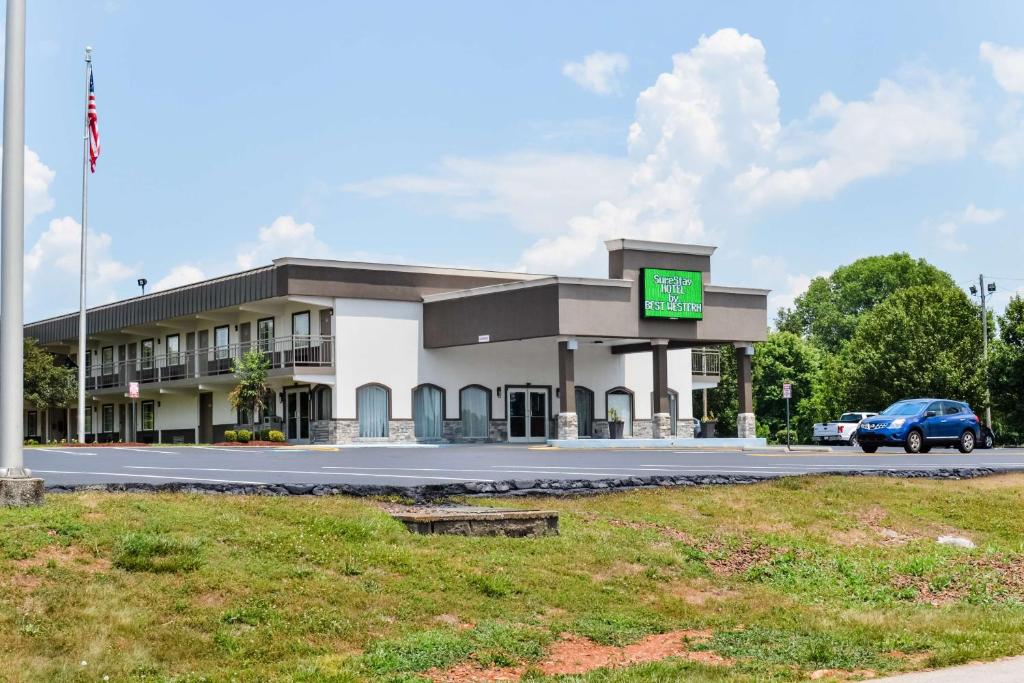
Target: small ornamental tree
46	383
251	371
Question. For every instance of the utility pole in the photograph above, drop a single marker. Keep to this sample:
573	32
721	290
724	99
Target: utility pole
982	289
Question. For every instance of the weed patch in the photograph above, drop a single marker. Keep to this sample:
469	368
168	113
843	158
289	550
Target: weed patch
155	552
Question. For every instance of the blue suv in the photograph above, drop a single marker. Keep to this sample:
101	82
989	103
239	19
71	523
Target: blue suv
920	423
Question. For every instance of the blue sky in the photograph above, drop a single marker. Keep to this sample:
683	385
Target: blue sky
795	136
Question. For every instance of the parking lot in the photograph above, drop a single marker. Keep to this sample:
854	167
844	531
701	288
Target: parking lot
410	466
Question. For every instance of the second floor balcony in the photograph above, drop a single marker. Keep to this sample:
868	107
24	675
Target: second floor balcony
705	362
296	352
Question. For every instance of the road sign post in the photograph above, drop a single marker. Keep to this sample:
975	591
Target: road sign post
787	393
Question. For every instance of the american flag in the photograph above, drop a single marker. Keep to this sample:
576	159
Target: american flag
94	127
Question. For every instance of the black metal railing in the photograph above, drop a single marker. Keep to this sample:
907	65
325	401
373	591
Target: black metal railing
295	351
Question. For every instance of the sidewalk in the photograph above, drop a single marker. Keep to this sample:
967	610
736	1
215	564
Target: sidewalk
1002	671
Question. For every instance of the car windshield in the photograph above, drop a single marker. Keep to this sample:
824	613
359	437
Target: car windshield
904	408
849	417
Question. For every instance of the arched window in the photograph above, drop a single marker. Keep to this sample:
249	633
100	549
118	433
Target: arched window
619	403
373	407
427	411
475	411
585	411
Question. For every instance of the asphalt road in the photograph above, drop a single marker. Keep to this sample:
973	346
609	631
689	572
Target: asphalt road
419	465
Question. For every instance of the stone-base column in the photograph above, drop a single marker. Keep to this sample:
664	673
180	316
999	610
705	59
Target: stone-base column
20	491
745	426
568	426
661	426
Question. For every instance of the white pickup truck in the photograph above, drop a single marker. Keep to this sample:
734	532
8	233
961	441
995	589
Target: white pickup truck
843	430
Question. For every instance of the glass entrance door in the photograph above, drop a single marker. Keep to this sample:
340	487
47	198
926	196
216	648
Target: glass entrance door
527	414
297	414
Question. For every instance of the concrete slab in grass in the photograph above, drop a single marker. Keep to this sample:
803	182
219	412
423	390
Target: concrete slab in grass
467	520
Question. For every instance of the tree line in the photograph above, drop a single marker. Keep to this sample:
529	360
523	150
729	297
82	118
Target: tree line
878	330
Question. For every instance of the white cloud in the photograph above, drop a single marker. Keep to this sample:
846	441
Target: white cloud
284	237
902	124
38	178
599	72
539	193
52	267
1007	65
184	274
977	216
707	147
946	232
786	286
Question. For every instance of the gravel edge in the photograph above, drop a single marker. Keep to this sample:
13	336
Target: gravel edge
512	487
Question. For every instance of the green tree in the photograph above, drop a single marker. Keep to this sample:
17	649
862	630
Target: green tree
786	357
46	383
829	311
251	372
1006	373
723	402
921	341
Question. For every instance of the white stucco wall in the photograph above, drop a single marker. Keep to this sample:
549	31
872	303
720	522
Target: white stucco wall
381	341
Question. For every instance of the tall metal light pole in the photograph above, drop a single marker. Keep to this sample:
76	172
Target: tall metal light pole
12	244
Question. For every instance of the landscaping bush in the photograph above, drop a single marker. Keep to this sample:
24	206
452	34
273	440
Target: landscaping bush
153	552
231	435
275	436
31	442
244	436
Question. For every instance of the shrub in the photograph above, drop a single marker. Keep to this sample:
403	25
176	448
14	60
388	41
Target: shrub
153	552
275	436
31	442
244	436
231	435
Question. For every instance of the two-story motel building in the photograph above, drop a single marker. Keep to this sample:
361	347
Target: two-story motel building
366	351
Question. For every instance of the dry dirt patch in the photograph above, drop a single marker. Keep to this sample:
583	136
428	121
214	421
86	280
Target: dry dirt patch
573	655
699	592
71	557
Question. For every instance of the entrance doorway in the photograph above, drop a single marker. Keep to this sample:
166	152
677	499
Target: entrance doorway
297	414
205	418
527	414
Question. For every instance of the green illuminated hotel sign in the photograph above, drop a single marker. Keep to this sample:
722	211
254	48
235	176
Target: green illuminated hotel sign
673	294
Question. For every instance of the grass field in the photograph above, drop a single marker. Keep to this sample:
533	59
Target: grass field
779	580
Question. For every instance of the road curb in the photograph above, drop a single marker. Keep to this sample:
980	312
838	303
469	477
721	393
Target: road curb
511	487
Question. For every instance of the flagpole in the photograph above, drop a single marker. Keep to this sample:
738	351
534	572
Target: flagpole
12	246
85	233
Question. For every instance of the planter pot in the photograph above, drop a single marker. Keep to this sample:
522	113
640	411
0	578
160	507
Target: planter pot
707	429
615	429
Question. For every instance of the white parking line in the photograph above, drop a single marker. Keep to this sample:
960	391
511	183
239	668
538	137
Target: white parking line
352	474
139	450
229	450
54	450
149	476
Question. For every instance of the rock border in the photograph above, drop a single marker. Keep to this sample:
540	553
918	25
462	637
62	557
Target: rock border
511	488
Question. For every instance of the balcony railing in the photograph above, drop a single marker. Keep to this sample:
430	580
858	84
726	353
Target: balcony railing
281	352
706	362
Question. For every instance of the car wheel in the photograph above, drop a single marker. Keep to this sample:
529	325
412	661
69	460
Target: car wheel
868	449
967	441
914	442
988	440
926	449
853	439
